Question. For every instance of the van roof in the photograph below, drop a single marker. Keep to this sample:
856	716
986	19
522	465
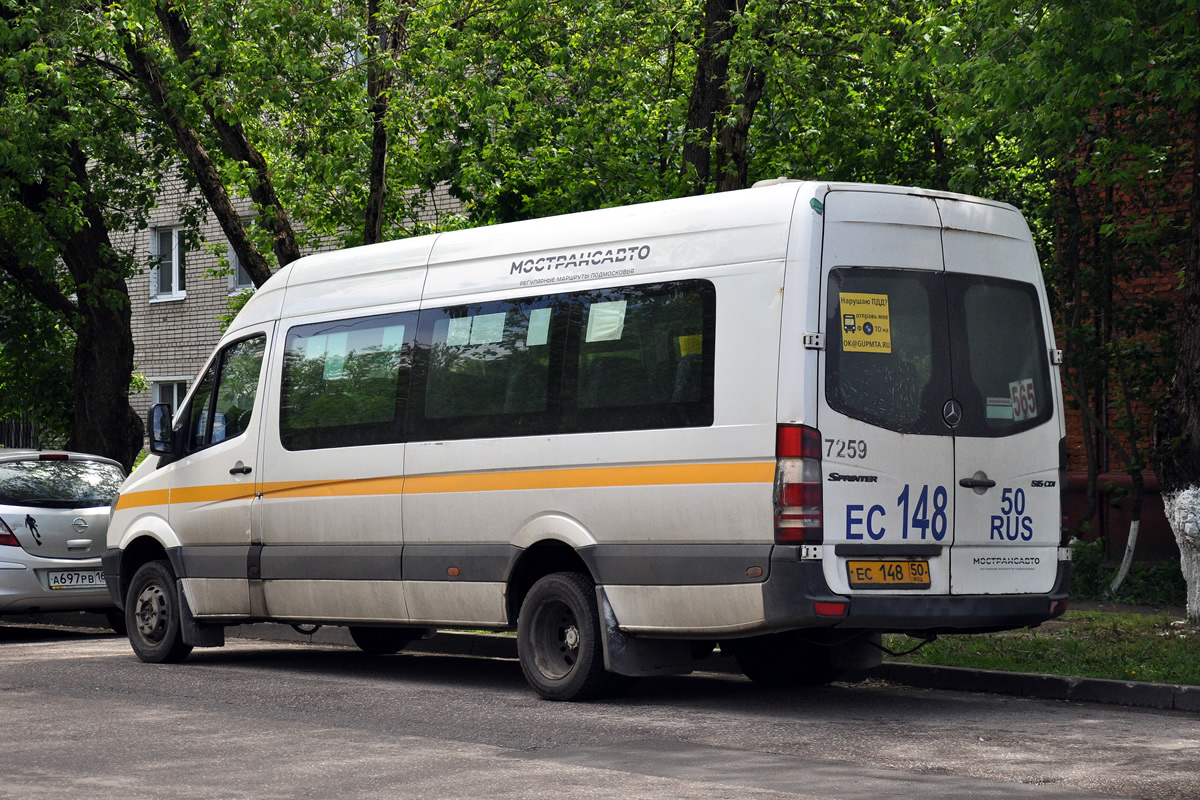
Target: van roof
716	228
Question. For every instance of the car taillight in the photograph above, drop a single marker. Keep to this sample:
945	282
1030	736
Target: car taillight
6	535
53	457
798	517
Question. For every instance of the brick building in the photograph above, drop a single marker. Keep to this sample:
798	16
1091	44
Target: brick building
1133	243
177	304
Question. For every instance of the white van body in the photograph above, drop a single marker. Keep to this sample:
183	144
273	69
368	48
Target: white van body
786	418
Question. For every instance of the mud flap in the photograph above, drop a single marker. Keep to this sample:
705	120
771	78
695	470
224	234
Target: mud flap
197	634
640	657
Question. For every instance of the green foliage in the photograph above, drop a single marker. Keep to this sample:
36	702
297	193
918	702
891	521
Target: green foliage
1153	584
35	366
1093	644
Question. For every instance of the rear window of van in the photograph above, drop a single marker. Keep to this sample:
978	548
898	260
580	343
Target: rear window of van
901	343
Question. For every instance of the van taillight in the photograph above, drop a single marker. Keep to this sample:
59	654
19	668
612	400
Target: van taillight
798	485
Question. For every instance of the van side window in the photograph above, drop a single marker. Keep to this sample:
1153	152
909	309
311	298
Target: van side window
627	358
490	369
643	357
345	382
224	413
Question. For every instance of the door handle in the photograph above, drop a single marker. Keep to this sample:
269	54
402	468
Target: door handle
240	471
977	483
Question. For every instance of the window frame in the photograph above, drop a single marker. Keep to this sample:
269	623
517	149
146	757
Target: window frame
951	373
564	414
294	439
184	428
177	263
179	386
239	279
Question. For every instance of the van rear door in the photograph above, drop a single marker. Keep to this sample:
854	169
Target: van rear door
935	392
888	459
1007	506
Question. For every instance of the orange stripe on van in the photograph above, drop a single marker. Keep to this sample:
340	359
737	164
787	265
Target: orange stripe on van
212	494
593	477
343	488
585	478
142	499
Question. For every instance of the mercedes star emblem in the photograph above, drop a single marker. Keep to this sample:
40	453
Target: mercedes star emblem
952	413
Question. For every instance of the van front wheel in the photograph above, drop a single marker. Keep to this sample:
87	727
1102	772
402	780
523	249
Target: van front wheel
152	615
558	638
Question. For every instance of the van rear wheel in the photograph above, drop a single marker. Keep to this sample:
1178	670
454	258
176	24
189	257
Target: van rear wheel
558	638
152	615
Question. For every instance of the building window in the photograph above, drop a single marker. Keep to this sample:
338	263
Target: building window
170	391
239	279
168	278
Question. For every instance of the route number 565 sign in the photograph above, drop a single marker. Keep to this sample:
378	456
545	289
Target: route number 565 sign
1024	402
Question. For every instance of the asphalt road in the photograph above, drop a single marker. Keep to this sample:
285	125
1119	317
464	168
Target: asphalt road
81	717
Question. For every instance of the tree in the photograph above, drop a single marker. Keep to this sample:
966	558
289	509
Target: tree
1177	425
71	172
1097	98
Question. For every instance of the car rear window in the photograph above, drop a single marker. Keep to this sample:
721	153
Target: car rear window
59	484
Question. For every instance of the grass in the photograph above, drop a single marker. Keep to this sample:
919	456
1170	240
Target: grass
1156	647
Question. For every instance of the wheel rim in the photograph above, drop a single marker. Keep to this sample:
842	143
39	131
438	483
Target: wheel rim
555	639
152	612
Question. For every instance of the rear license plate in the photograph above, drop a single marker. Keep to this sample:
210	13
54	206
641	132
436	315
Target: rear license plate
894	574
76	579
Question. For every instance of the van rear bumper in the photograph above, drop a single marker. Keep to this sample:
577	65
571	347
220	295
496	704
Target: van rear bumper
791	595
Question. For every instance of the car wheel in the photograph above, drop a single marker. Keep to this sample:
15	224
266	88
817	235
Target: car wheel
152	615
383	641
558	638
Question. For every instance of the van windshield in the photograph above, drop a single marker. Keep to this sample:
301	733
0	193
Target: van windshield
902	343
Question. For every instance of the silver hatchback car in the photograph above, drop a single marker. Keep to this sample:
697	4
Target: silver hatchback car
54	509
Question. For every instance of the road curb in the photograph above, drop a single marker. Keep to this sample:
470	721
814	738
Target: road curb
1135	694
1048	687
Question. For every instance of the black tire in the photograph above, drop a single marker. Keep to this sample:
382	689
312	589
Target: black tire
782	660
152	615
383	641
558	638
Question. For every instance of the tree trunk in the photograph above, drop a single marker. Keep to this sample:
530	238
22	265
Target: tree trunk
104	422
708	91
392	39
734	139
1177	423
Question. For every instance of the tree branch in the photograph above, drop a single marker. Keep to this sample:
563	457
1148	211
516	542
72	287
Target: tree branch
36	284
273	217
197	156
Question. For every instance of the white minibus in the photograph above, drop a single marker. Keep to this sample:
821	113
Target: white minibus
783	420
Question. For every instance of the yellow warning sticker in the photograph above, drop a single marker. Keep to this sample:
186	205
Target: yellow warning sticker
866	323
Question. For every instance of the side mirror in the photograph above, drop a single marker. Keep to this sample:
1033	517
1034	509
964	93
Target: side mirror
162	442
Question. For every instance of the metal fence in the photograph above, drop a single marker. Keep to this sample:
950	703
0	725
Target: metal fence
21	433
